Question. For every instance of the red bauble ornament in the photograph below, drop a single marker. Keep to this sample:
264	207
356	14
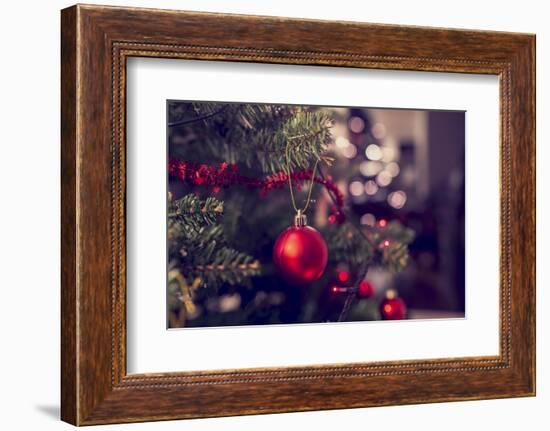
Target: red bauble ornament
365	289
300	253
393	307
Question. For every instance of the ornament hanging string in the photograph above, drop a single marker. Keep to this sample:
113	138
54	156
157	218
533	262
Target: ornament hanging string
300	253
289	175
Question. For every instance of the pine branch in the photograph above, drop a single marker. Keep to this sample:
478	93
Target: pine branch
307	133
186	121
257	135
198	247
230	266
395	257
192	211
393	241
346	246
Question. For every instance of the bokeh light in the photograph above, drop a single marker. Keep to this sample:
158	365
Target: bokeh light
341	142
389	154
378	130
397	199
371	187
356	124
392	169
373	152
384	179
350	151
369	168
343	276
356	188
368	219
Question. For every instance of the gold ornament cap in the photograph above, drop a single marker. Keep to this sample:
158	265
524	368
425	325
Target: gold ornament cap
300	219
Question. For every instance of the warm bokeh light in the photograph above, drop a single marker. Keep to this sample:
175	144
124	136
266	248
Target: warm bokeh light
378	130
373	152
356	188
370	168
341	142
368	220
384	179
392	168
356	124
371	187
397	199
229	302
389	154
350	151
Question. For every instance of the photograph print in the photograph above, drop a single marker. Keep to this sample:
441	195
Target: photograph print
292	214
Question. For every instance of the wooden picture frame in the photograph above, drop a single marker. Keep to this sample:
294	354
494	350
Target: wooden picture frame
95	42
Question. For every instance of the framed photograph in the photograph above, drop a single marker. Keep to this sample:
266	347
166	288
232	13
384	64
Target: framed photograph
269	215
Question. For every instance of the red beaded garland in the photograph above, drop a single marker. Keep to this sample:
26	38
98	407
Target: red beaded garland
300	255
225	175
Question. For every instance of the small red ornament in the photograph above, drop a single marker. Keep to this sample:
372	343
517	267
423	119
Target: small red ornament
365	289
393	307
300	253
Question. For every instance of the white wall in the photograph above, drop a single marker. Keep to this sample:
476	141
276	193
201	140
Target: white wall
29	219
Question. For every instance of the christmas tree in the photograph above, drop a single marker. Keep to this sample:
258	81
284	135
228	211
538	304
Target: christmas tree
234	170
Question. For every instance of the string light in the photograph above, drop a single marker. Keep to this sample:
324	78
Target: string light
339	289
343	276
365	289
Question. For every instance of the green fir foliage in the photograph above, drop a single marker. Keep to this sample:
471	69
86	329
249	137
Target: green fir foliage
359	249
198	246
256	135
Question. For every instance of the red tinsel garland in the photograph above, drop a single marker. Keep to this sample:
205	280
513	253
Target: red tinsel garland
225	175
